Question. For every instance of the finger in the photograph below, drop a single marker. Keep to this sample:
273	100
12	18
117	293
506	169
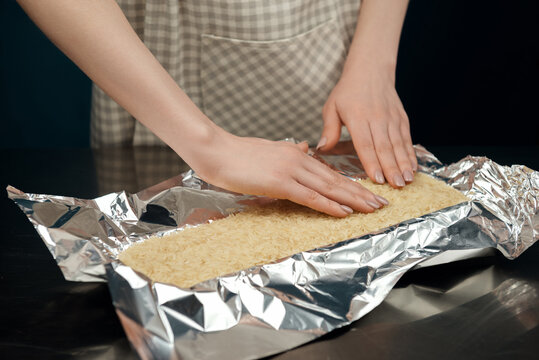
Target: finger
352	188
362	139
386	156
340	190
303	195
401	153
304	146
332	128
407	138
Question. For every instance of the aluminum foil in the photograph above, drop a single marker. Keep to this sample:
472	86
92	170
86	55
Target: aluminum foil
267	309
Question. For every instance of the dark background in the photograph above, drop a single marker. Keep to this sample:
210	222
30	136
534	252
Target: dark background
467	75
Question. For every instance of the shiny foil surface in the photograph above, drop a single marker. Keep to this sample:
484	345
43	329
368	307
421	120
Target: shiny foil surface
267	309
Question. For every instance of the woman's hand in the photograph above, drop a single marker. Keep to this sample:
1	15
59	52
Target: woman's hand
281	170
366	102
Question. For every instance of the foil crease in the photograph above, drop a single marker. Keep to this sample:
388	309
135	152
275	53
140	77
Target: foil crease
267	309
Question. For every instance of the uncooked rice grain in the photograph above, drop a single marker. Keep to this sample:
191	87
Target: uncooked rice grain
266	233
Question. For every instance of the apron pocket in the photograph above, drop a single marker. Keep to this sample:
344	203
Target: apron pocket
272	89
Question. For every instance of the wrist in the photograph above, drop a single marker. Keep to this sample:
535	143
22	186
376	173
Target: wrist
202	147
196	139
371	53
359	65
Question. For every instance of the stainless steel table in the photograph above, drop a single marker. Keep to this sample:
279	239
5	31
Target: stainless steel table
480	308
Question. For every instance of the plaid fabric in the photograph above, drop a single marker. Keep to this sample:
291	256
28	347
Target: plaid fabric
255	67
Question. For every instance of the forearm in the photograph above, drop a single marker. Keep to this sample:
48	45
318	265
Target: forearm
98	38
376	39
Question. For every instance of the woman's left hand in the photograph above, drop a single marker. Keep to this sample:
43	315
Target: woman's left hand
366	102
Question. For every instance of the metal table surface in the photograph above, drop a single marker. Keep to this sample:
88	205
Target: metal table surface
474	309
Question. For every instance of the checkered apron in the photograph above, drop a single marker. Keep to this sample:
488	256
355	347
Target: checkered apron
259	68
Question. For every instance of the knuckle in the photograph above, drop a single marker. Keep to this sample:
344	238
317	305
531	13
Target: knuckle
405	118
405	165
312	196
365	146
363	191
328	186
397	142
350	111
292	153
329	204
394	171
395	119
404	160
405	127
383	118
384	148
358	198
336	179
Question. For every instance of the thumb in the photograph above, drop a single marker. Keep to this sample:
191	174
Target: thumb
332	129
304	146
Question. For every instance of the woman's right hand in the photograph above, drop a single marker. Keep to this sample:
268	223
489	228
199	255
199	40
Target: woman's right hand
281	170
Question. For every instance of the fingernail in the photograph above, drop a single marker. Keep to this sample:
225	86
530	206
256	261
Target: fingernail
347	209
372	204
398	180
381	200
379	177
323	141
414	167
408	176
